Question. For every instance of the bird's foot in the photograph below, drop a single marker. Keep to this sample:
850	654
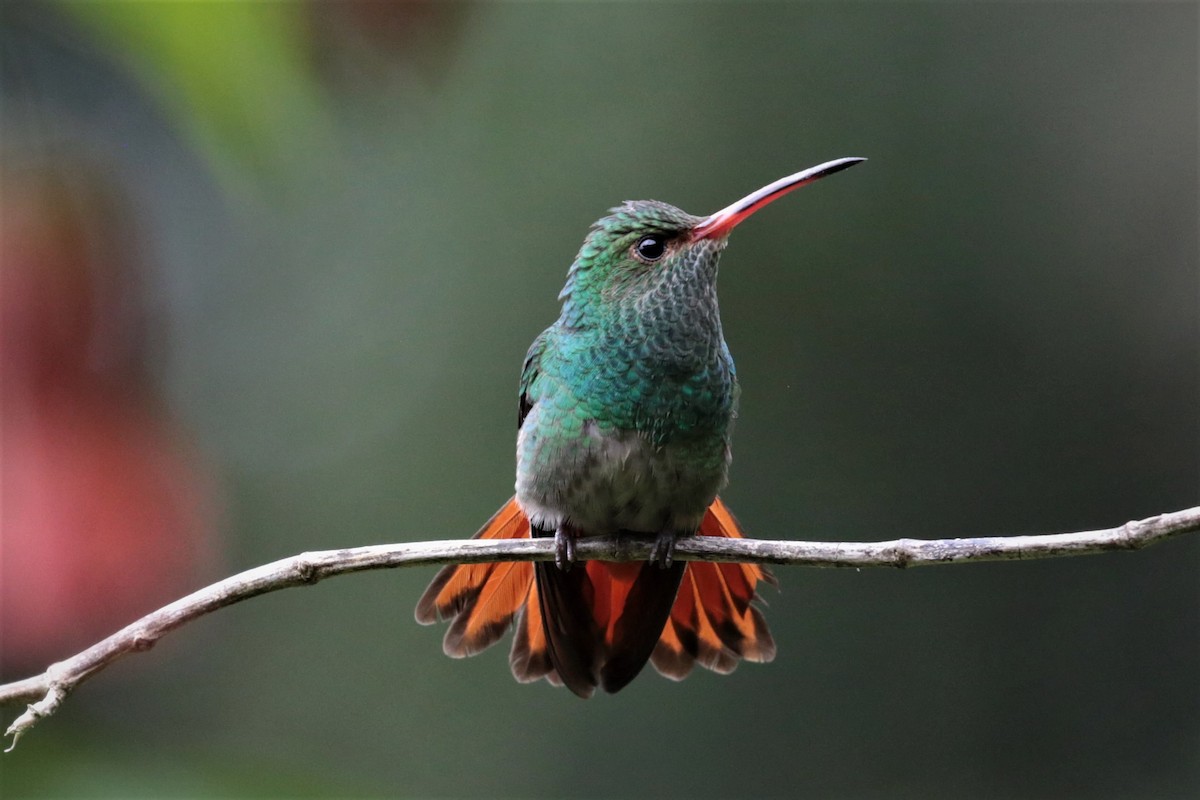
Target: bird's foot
564	547
664	549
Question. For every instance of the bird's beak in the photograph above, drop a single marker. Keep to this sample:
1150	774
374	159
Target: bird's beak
721	223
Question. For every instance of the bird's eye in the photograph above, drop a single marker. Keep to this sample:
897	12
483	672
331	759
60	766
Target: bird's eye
650	248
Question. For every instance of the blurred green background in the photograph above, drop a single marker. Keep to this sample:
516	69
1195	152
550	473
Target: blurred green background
321	236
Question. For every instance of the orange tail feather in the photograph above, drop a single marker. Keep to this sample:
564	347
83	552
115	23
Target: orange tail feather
481	599
714	622
711	621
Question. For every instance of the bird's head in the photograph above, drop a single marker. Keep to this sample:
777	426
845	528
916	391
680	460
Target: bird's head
646	251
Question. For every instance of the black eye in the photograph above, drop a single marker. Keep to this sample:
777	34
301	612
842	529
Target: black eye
650	248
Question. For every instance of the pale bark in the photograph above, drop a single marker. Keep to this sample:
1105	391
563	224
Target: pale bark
51	687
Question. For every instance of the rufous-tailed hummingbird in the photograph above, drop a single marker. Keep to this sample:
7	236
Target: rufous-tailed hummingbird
625	414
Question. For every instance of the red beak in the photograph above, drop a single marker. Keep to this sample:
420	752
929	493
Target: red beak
721	223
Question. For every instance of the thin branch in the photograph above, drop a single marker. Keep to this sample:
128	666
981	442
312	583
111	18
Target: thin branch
51	687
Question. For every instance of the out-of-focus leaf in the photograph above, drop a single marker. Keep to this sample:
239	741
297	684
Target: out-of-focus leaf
235	76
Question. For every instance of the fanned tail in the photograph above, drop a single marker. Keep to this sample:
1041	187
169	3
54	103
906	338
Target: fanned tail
599	623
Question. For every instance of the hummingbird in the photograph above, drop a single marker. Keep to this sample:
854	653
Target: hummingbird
625	414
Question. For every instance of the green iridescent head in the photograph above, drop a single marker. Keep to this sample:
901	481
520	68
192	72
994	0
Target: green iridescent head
648	252
632	252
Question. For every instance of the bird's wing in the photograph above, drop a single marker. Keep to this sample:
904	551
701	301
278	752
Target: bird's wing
529	373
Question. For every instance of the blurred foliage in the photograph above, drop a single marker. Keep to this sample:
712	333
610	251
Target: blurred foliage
237	76
989	328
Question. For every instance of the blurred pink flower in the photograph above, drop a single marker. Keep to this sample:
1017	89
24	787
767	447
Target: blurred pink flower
104	514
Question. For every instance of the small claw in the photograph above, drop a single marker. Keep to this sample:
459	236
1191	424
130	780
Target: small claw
664	549
564	548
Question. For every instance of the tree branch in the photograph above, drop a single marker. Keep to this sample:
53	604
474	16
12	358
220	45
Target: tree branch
51	687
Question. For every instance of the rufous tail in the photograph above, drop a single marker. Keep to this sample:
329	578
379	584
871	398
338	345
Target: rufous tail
598	624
